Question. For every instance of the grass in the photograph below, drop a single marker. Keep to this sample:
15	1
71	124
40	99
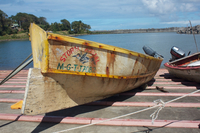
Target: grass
15	36
66	33
61	32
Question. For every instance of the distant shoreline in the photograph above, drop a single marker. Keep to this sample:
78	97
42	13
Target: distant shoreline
150	30
121	31
13	39
18	39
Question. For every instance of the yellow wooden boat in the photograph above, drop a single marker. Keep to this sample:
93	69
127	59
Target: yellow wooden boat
69	71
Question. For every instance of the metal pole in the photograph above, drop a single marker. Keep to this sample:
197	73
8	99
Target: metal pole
193	36
18	69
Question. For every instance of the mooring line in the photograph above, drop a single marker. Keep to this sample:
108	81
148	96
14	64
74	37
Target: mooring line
155	114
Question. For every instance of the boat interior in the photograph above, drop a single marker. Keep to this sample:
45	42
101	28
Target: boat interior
188	61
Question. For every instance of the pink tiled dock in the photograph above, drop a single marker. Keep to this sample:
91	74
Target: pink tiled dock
180	116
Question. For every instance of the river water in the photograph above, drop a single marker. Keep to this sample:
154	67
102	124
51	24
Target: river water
12	53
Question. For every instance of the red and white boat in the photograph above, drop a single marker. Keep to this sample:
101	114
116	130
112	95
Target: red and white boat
187	68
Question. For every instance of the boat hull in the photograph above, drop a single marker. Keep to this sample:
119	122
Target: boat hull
70	71
184	69
50	92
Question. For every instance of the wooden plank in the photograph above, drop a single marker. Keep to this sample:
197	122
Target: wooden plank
169	80
11	91
143	104
114	122
121	104
12	86
148	123
14	79
158	94
126	93
40	118
14	82
175	87
173	83
4	100
25	70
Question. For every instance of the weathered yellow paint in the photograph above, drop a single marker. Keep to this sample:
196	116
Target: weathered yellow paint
58	37
39	47
17	105
99	75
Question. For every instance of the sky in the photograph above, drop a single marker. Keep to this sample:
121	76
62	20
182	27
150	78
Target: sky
111	14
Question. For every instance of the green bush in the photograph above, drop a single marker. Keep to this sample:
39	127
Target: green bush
15	31
71	32
3	33
22	31
9	31
14	36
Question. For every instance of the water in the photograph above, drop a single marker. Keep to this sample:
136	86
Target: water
12	53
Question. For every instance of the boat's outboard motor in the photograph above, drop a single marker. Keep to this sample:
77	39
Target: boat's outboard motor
151	52
176	53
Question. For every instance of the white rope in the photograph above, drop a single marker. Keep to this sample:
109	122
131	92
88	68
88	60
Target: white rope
182	96
161	106
159	103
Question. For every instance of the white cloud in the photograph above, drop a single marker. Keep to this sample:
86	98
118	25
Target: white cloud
188	7
172	10
159	7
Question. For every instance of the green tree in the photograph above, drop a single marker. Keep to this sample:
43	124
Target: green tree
75	27
43	23
55	26
86	27
79	27
21	19
3	19
5	24
32	18
12	18
65	25
24	20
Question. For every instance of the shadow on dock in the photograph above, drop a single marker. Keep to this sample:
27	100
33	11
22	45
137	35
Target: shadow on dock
74	111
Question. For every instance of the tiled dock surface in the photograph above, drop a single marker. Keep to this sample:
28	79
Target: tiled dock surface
181	116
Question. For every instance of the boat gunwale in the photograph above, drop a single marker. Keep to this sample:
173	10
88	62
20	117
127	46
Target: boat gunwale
173	65
189	56
168	65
